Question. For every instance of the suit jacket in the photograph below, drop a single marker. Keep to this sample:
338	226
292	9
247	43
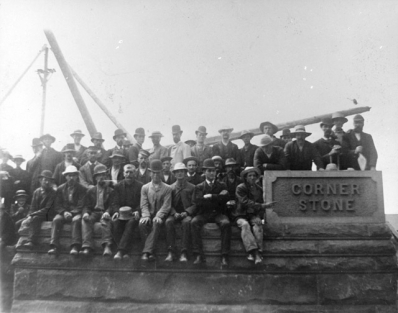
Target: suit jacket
133	152
368	149
170	180
50	159
62	203
179	152
126	195
195	179
247	155
325	146
16	215
86	176
157	153
302	160
144	179
276	162
60	179
24	179
278	142
33	167
230	150
155	202
91	200
231	186
181	198
119	178
248	200
201	154
43	203
215	205
79	153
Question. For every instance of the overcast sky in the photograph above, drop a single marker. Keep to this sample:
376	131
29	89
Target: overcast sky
160	63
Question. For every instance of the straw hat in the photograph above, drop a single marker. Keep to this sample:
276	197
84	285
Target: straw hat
71	169
249	169
179	166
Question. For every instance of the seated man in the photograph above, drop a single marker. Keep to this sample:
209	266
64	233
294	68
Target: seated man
155	207
116	169
248	150
97	206
193	176
69	203
181	209
42	203
127	193
20	210
210	199
231	180
269	157
167	177
219	164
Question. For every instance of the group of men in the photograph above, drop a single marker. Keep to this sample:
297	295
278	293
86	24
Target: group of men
127	188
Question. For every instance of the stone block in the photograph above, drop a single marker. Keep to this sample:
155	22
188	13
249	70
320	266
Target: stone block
291	247
326	230
25	283
379	230
375	247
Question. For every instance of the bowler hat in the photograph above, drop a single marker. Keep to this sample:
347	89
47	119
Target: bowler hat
36	142
18	157
208	163
249	169
119	132
77	132
176	129
70	147
274	127
166	158
300	129
286	133
139	131
339	116
46	174
156	134
71	169
117	153
97	136
358	117
127	142
190	141
47	136
20	194
266	140
144	153
246	132
99	169
156	166
201	129
217	158
125	213
327	121
179	166
191	158
225	127
230	161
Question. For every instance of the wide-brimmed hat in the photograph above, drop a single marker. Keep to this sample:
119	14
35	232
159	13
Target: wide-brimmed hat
274	127
339	116
46	174
300	129
77	132
179	166
117	153
201	129
47	136
286	133
97	136
176	129
125	213
246	132
191	158
99	169
225	127
358	117
36	142
156	166
20	194
266	140
327	121
19	157
144	153
4	153
230	161
190	141
127	142
249	169
70	147
119	132
139	131
166	158
71	169
156	134
208	163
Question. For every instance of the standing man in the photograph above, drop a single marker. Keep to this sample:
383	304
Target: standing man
270	129
157	151
361	144
210	198
69	203
126	145
22	179
179	151
69	154
142	174
7	181
86	172
286	135
269	157
167	177
125	211
181	210
155	207
33	167
231	180
226	149
135	148
116	170
192	176
339	119
77	136
300	153
200	150
50	157
248	150
118	137
101	152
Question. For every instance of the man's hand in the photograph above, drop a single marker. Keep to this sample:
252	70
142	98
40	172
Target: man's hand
136	215
145	220
106	216
183	215
358	149
268	204
17	182
372	168
21	209
265	165
157	220
208	196
67	215
115	216
177	216
223	192
86	216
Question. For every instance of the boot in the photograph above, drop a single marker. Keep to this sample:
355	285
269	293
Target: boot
183	257
107	250
170	257
118	256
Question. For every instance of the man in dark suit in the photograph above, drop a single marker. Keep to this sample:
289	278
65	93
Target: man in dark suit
361	143
248	150
116	170
49	157
69	153
134	150
193	176
269	157
77	136
226	149
200	150
210	198
101	152
270	129
142	174
86	172
22	178
119	137
167	176
33	167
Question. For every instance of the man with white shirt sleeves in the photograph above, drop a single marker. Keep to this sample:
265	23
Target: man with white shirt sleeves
180	150
86	172
157	151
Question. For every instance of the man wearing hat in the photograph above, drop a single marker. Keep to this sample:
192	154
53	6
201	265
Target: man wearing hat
7	181
200	150
181	210
225	148
77	136
69	153
167	177
49	157
86	172
20	209
231	180
155	207
248	150
339	119
142	174
33	167
219	164
300	153
101	152
193	176
286	135
98	201
22	179
69	204
157	151
210	198
270	129
119	138
190	142
269	157
126	144
180	150
41	209
134	150
125	212
116	170
361	145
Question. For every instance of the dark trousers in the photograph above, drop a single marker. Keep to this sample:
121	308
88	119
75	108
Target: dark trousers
34	228
7	230
171	232
123	233
251	232
58	224
196	227
88	230
150	233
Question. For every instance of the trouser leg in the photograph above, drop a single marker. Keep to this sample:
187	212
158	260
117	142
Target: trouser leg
196	227
151	241
247	236
225	226
127	237
56	228
171	233
106	232
258	231
186	233
118	227
88	230
77	230
34	228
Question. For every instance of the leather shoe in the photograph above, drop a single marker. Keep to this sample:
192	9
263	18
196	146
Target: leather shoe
258	260
118	256
85	252
198	260
224	261
170	257
107	251
151	257
53	251
144	257
250	257
74	251
28	245
183	257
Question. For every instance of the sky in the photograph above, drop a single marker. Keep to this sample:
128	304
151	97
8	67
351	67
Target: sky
158	63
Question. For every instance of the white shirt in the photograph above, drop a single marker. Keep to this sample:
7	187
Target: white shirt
114	173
